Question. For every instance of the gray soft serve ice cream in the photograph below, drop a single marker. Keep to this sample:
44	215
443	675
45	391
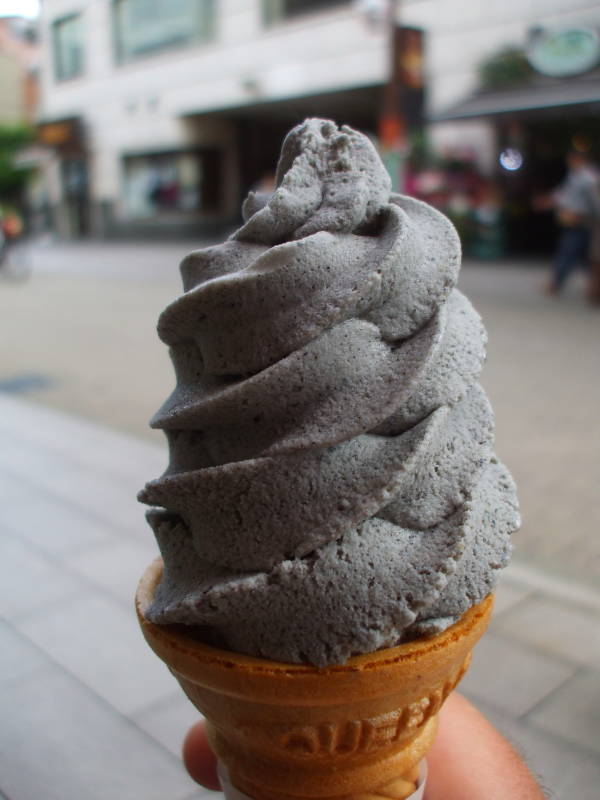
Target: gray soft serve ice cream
332	486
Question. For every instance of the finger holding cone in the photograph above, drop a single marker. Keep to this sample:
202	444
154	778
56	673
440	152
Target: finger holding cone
356	731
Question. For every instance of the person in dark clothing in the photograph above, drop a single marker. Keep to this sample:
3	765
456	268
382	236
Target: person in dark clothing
577	205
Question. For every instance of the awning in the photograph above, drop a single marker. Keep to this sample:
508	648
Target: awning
60	132
33	156
361	101
581	92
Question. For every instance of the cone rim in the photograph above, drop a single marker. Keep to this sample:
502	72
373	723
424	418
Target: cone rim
175	639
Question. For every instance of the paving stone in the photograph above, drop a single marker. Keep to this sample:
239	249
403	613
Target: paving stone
117	566
53	526
99	642
584	554
20	658
30	581
508	594
573	711
58	741
108	498
169	721
566	771
561	590
106	451
552	626
12	491
512	677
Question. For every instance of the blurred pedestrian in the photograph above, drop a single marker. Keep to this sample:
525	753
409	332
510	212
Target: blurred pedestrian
2	239
11	229
12	224
577	205
594	283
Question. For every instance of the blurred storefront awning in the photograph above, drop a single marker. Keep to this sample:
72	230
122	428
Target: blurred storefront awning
362	101
33	157
584	93
261	124
64	132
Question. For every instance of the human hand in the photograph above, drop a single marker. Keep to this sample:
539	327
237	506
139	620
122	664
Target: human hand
199	759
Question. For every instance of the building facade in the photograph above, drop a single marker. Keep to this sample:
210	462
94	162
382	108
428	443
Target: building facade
161	115
164	113
19	54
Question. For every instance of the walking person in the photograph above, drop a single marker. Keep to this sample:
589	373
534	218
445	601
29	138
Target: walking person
594	257
13	258
577	205
2	240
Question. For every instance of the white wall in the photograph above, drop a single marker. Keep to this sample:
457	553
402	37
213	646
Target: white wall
462	33
139	106
11	91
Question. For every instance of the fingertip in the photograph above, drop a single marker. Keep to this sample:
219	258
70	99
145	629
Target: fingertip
199	759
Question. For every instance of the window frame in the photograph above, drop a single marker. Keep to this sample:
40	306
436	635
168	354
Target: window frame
121	57
58	72
214	205
272	17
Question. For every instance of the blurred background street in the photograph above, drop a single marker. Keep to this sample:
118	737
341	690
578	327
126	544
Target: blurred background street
130	132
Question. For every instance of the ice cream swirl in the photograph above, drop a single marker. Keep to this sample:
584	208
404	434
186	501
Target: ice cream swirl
332	487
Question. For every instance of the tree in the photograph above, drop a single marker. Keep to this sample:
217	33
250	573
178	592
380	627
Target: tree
504	69
13	178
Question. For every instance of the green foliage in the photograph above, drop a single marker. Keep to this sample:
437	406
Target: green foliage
419	151
506	68
12	178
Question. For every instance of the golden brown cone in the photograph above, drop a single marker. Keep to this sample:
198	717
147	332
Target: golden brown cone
355	731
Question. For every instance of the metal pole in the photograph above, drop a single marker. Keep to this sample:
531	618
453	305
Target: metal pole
392	128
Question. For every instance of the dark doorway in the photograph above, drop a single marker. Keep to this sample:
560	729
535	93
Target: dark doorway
74	174
544	141
261	129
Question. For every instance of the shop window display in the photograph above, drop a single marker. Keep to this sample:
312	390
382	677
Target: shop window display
181	183
67	36
143	27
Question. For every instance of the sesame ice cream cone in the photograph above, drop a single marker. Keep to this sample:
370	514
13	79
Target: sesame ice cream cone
356	731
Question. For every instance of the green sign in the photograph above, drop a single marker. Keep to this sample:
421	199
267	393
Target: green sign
564	53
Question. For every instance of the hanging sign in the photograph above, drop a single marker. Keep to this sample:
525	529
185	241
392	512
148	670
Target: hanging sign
563	53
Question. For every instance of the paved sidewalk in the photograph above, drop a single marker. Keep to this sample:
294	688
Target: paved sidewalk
89	712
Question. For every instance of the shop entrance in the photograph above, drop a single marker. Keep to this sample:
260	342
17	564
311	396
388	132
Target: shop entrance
544	142
261	129
74	177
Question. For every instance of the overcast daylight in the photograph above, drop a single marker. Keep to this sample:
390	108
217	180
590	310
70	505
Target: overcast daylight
299	392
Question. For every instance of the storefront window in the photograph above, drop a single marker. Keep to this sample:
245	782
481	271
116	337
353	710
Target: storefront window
171	183
143	27
67	36
275	10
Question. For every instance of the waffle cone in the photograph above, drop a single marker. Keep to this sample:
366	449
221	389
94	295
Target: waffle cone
292	732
